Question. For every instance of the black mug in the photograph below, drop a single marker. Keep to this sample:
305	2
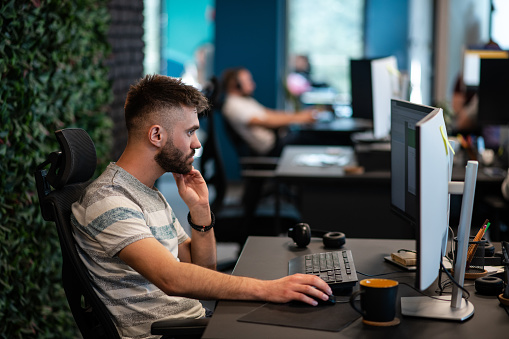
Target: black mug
378	300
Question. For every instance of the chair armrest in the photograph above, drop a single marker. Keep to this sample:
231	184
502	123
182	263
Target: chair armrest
189	328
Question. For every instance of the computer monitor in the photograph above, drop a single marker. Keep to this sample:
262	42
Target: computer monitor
493	92
374	83
422	152
404	118
472	63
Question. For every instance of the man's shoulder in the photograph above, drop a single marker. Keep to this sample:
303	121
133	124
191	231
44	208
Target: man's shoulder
109	186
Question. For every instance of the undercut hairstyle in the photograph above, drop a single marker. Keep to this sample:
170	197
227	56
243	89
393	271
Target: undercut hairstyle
160	97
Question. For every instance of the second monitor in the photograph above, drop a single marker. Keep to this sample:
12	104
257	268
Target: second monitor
422	160
374	83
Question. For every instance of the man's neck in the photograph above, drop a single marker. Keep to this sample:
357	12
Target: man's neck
141	167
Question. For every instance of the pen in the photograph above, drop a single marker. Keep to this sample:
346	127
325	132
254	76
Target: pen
462	141
473	247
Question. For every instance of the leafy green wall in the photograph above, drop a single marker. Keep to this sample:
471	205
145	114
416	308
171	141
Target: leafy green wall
52	77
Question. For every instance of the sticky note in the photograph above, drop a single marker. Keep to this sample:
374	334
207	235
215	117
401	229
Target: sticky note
447	144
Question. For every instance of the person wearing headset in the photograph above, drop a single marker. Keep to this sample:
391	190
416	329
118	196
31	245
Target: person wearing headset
254	122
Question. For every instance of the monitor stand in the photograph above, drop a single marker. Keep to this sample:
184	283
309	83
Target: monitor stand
426	307
454	307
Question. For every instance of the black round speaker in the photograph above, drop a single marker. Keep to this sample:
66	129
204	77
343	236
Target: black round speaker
489	285
334	239
301	234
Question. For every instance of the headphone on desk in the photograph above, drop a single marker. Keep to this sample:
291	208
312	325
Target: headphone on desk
302	233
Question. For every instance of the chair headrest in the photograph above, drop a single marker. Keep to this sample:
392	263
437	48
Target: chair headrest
77	160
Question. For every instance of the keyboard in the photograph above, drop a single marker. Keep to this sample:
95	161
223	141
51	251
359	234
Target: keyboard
336	268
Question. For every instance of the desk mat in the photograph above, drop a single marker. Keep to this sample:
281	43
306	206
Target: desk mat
323	317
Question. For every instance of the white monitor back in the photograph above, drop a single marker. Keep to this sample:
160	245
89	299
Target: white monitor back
385	82
434	168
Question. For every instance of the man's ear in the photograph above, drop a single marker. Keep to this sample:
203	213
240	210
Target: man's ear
156	135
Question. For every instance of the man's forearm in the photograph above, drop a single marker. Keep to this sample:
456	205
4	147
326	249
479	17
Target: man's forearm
276	120
152	260
203	244
203	249
196	282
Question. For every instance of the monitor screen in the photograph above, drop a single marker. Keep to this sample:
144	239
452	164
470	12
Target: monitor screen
493	92
374	83
404	118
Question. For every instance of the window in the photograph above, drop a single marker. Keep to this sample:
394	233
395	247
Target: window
329	33
179	39
151	36
499	23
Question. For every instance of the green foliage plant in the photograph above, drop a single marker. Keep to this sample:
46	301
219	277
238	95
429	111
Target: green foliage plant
53	76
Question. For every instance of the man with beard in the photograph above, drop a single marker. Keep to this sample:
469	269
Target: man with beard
143	265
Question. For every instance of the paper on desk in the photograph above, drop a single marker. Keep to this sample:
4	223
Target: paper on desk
321	160
490	269
494	269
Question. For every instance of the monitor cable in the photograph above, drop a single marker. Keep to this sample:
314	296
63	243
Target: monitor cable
380	274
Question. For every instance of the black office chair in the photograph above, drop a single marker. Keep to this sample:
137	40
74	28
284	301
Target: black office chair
69	173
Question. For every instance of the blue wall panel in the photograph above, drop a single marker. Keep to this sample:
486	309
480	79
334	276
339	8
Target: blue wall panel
386	30
251	34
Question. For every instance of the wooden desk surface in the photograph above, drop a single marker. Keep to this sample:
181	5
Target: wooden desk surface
267	258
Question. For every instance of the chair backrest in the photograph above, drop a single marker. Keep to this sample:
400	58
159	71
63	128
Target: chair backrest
70	170
212	165
211	161
242	148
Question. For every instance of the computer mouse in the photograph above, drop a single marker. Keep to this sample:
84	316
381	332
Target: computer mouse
330	301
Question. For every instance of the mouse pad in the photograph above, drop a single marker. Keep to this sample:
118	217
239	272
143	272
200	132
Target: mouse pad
323	317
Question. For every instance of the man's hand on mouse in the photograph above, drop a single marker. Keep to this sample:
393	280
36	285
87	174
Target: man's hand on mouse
298	287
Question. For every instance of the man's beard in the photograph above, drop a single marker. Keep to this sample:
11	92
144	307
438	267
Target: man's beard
171	159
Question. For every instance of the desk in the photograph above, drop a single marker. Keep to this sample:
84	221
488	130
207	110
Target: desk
330	199
335	132
359	204
267	258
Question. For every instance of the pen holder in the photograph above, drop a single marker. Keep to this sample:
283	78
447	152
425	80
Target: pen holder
476	253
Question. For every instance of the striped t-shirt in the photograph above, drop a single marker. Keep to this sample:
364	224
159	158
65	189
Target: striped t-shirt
115	211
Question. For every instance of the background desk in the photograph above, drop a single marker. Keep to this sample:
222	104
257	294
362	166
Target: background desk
267	258
335	132
330	199
360	204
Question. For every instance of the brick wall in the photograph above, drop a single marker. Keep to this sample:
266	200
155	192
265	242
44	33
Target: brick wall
126	61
